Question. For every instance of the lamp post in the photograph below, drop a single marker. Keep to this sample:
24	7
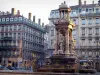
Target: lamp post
97	54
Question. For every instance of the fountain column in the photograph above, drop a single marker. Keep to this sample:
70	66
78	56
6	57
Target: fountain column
67	42
57	42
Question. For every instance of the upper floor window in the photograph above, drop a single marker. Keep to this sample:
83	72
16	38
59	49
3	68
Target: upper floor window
15	19
15	27
52	32
90	10
90	21
83	21
19	27
52	41
7	19
20	18
97	21
2	29
97	31
3	19
11	19
97	10
6	28
90	42
83	42
86	9
83	31
80	10
90	31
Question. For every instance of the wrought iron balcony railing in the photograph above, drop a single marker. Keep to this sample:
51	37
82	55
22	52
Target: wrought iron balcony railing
89	47
8	47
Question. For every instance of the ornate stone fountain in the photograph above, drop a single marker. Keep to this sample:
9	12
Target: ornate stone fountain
64	59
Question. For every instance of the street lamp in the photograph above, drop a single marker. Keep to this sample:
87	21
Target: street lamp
97	54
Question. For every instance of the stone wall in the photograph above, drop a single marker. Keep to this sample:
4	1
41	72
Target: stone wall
35	73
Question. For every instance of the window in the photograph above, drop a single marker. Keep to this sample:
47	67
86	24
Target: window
97	31
14	35
6	34
87	10
11	28
79	10
90	21
15	27
83	31
7	19
51	42
97	20
97	10
90	10
20	18
6	28
19	27
83	42
52	32
83	21
10	34
2	29
83	53
90	42
90	53
90	31
11	19
18	35
3	19
0	19
15	19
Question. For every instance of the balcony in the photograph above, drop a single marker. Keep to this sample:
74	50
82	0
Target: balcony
7	47
95	14
6	39
89	47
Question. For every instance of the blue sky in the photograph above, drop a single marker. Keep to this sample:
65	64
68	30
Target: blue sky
39	8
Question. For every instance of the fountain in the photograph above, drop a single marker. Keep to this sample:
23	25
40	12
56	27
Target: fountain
64	58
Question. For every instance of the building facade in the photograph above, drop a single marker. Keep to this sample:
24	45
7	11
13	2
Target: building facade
21	40
86	34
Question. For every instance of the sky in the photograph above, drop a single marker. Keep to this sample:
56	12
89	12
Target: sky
39	8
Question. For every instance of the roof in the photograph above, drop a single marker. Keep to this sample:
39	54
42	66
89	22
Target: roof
83	6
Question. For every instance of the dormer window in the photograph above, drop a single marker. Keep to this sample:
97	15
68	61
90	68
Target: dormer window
3	19
97	10
20	18
11	19
90	10
15	19
7	19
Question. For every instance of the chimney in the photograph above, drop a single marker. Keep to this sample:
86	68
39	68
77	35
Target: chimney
39	21
8	12
92	2
42	24
84	2
33	18
80	2
18	12
13	11
29	16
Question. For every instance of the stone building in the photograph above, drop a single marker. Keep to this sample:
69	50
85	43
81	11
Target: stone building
21	39
86	34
